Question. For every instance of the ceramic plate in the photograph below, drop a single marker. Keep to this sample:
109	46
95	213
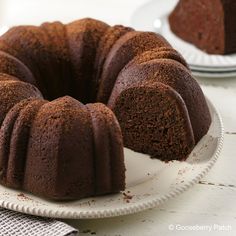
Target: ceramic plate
149	183
213	74
153	17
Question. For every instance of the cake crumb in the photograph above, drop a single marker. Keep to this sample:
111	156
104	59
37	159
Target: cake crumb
127	196
23	196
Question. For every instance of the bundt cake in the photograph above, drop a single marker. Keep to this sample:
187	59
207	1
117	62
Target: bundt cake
209	25
72	94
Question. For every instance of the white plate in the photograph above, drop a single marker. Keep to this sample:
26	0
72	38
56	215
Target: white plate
215	74
153	17
210	69
149	183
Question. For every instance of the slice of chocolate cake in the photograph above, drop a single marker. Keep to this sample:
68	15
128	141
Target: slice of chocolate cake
209	25
155	120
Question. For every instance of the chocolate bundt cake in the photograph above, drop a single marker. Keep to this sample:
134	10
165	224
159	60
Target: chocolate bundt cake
209	25
72	94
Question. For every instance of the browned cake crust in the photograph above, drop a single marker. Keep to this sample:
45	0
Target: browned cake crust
53	169
102	161
109	172
104	47
58	73
5	137
157	53
60	148
10	65
209	25
124	50
84	37
26	44
106	166
13	91
19	143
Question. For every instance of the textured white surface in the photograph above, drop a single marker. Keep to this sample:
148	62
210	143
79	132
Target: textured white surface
212	201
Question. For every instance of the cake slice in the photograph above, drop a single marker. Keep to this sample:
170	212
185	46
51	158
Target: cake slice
172	74
209	25
155	121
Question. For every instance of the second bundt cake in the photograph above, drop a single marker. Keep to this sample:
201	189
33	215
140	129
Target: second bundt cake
72	94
